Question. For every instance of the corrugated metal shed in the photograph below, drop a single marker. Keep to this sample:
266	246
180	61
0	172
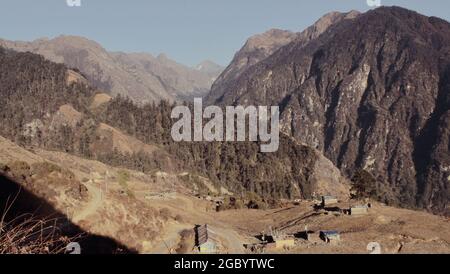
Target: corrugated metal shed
330	236
205	240
201	234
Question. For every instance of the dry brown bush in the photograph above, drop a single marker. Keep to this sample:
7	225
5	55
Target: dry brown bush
165	214
26	234
186	241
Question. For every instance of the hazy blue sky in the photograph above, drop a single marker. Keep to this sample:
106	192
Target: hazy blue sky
188	31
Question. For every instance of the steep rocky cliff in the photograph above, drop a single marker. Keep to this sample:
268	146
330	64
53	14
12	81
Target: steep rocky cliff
371	93
261	46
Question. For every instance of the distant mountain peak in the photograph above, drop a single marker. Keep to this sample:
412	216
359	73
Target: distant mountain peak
139	76
209	66
162	56
260	46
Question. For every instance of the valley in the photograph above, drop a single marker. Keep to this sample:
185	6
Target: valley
361	165
108	211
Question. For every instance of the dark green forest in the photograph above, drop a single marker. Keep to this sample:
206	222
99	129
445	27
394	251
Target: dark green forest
33	88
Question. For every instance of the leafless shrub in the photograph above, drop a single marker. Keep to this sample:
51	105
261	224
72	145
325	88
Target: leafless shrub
165	214
26	234
179	218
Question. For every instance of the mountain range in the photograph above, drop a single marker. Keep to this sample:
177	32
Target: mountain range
371	92
139	76
85	137
367	91
261	46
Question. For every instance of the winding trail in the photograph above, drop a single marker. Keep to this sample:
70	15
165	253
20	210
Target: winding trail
93	204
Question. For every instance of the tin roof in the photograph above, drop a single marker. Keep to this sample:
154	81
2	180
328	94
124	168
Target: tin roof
330	232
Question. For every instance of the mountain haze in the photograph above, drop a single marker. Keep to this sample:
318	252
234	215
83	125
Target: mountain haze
140	76
210	67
